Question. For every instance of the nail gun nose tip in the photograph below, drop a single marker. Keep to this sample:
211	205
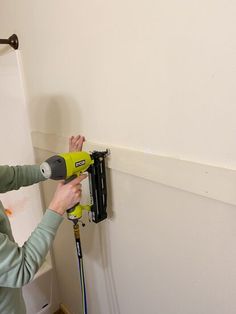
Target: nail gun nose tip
46	170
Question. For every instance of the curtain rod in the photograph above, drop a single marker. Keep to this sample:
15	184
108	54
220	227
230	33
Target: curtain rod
12	41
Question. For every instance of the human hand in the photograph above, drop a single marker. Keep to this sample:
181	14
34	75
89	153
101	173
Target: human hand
76	143
67	195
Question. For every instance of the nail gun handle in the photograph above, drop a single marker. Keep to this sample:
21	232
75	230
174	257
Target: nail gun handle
75	213
76	209
74	176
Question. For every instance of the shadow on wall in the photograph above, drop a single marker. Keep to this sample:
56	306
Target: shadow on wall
104	239
56	114
105	251
4	50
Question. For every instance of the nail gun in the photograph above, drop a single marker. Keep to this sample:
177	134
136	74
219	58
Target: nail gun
68	165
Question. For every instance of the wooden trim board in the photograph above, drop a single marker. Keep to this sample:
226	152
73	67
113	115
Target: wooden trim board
206	180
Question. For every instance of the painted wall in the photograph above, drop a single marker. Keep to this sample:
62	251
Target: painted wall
158	76
17	146
153	75
24	205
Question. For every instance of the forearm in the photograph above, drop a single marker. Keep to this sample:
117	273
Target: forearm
14	177
18	265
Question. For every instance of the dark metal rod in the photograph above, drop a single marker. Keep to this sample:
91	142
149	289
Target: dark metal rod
12	41
4	41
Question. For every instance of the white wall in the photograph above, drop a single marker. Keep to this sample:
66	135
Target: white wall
158	76
162	70
16	146
25	204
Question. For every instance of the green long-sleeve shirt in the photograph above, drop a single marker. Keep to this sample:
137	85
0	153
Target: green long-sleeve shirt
18	265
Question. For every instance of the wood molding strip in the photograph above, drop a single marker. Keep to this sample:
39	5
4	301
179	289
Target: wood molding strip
206	180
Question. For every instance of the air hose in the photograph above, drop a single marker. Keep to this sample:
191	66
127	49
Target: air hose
81	267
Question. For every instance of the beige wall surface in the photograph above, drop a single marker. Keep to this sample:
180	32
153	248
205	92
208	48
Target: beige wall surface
157	76
154	75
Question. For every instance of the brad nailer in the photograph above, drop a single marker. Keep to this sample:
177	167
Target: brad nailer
69	165
66	167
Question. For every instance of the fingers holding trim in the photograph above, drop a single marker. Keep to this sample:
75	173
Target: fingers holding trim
76	143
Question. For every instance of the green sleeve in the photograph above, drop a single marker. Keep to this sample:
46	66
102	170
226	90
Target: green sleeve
18	265
14	177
